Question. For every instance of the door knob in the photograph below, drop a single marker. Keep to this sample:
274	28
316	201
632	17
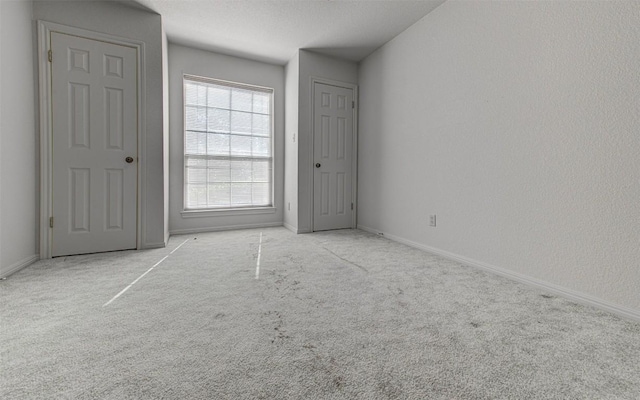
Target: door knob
318	165
129	160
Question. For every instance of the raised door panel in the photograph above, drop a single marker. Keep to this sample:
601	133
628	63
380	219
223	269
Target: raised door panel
114	118
78	115
114	199
80	200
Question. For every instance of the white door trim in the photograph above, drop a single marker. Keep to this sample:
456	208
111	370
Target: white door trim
46	206
354	151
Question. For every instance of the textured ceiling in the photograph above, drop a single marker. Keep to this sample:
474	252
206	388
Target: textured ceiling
273	30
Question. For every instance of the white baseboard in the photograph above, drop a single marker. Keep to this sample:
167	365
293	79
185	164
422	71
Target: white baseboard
371	230
570	294
17	266
295	230
290	227
223	228
158	245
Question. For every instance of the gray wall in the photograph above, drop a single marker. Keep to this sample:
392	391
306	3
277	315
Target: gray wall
18	144
518	125
166	128
120	20
292	76
186	60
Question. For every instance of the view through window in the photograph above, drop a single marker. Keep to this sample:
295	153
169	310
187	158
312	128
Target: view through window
227	144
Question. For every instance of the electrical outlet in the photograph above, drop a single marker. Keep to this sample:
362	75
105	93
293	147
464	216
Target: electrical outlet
432	220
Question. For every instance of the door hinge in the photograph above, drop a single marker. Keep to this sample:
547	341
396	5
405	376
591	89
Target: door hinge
353	104
50	222
50	56
352	206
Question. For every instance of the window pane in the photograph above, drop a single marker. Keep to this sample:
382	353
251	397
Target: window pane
219	195
196	175
240	122
195	94
218	121
241	100
195	162
241	171
261	170
195	143
261	146
218	97
261	103
190	93
195	118
241	145
260	193
219	171
197	196
218	144
241	194
261	125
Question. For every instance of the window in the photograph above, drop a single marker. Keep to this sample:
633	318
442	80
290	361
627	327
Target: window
227	145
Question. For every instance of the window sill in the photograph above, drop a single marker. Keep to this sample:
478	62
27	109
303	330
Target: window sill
228	212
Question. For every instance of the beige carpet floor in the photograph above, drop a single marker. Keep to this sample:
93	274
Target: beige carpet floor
333	315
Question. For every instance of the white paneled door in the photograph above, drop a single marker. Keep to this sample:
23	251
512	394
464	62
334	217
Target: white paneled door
333	115
94	145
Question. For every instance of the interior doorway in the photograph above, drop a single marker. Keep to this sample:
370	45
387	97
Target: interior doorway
333	156
90	107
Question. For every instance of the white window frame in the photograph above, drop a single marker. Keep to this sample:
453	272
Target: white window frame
227	211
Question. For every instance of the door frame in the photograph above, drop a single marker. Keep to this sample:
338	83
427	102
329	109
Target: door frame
45	29
354	148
